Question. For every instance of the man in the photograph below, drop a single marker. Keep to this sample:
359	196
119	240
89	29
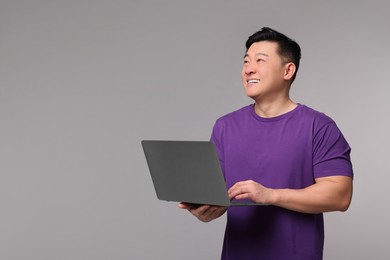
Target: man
280	153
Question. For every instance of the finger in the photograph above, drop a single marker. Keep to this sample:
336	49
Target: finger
237	190
202	210
242	196
217	211
188	206
207	211
241	187
210	213
182	205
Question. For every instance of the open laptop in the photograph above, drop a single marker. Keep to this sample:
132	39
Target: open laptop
187	171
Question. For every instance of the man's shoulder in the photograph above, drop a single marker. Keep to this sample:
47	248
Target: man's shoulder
236	114
316	118
315	115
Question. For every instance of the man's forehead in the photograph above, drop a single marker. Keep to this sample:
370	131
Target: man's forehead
263	48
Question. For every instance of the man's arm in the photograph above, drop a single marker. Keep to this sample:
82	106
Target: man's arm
333	193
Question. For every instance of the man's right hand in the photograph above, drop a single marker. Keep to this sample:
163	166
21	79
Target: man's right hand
204	213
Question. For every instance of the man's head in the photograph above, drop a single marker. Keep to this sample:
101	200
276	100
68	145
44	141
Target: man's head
288	49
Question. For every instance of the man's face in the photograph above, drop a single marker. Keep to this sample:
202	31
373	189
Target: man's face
263	71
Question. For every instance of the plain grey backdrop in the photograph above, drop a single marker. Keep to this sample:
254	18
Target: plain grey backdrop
83	82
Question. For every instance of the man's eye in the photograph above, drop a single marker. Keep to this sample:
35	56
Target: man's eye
245	61
260	60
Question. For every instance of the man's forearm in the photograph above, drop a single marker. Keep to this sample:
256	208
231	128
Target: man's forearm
327	194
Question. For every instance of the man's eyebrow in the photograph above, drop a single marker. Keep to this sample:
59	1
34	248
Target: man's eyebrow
257	54
262	54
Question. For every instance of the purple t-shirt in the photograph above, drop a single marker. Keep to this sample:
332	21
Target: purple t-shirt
287	151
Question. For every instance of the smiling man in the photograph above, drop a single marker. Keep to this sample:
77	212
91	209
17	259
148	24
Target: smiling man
280	153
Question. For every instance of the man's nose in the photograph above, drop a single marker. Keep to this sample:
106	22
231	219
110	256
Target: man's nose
249	68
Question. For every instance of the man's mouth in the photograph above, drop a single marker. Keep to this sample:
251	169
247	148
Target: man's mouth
253	81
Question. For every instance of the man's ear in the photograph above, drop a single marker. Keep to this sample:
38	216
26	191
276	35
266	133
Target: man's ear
289	70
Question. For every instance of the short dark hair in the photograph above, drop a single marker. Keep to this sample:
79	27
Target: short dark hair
288	49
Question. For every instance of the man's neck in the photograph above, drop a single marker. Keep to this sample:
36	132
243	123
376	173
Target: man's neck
274	108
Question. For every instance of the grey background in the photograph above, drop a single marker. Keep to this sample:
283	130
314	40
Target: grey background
82	82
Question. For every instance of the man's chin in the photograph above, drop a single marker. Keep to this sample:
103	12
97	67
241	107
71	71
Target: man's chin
253	96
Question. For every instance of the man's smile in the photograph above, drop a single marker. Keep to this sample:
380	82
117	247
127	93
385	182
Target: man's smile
253	80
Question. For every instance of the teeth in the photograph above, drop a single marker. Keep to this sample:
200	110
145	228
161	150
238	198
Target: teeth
253	81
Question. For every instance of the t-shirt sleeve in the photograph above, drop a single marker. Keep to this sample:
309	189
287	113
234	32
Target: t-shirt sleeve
331	153
216	138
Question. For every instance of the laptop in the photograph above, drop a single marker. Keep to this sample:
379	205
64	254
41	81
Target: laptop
189	172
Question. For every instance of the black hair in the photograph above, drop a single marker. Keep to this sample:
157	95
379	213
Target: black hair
288	49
